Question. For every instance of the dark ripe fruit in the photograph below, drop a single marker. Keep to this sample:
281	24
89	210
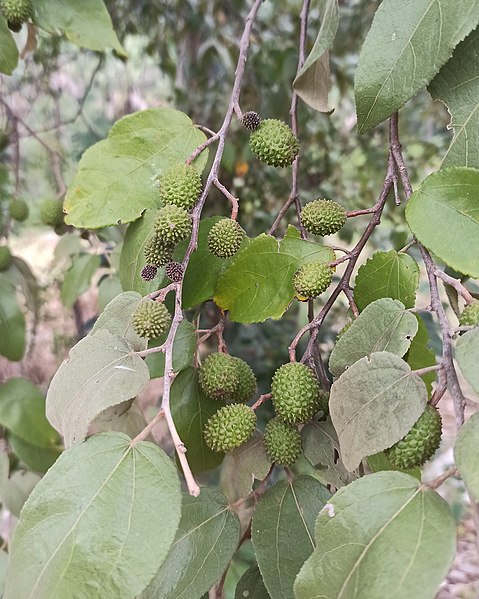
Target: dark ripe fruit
282	442
295	393
274	143
151	319
230	427
174	271
323	217
251	120
181	186
311	279
148	272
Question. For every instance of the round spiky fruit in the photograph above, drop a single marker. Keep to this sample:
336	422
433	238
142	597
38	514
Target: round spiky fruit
219	376
156	251
225	237
251	120
246	386
51	212
230	427
295	393
151	319
16	12
181	186
470	315
274	143
5	257
148	272
174	271
282	442
323	217
311	279
420	444
19	210
172	224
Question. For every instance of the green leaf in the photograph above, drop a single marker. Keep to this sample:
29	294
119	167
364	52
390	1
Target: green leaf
16	490
12	324
87	24
101	371
117	177
117	317
88	515
191	409
467	352
206	541
108	288
126	418
404	49
312	82
282	531
444	216
37	458
420	355
387	274
8	49
184	347
305	251
78	277
374	404
384	325
379	462
3	570
384	535
251	585
457	85
466	454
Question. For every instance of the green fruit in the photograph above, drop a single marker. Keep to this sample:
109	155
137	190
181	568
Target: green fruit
19	210
230	427
311	279
295	393
274	143
246	387
470	315
323	217
156	251
219	376
51	212
16	12
181	186
420	444
224	238
323	403
282	442
151	319
172	224
5	257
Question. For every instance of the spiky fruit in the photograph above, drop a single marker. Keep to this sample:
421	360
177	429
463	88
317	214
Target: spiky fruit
282	442
148	272
5	257
323	217
16	12
172	224
51	212
230	427
181	186
246	387
225	237
219	376
295	393
470	315
156	251
311	279
151	319
174	271
19	210
420	444
251	120
274	143
323	403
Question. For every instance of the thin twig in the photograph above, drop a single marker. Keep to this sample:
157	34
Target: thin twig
234	201
437	482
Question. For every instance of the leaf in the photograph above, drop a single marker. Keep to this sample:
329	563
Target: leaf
457	86
78	277
108	288
282	531
117	319
184	347
404	49
467	352
25	281
444	216
16	490
206	541
3	570
382	535
466	454
191	409
420	355
379	462
387	274
374	404
8	49
305	251
251	585
35	457
312	82
242	466
117	177
384	325
88	514
87	24
125	418
12	324
101	371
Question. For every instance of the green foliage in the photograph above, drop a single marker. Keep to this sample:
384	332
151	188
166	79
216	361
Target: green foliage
12	323
470	315
8	49
466	454
251	585
467	349
78	277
